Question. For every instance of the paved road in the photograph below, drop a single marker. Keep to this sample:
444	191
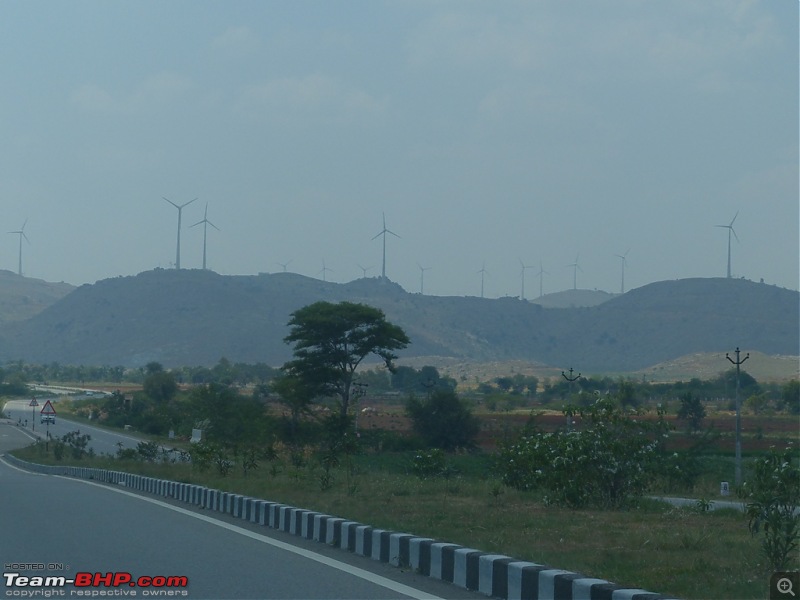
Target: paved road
103	442
89	527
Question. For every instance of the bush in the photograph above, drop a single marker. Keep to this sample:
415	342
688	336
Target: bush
613	458
443	420
773	496
76	442
430	464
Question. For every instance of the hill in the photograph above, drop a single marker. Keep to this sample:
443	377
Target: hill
573	298
193	317
23	297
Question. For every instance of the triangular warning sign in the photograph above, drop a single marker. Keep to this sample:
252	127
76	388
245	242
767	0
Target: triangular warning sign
33	402
48	409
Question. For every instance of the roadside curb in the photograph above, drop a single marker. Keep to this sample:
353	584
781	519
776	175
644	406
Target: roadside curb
495	575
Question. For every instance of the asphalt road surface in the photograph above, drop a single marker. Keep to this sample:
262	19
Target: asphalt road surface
103	442
56	526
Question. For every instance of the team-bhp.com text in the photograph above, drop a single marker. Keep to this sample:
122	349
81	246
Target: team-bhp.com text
94	585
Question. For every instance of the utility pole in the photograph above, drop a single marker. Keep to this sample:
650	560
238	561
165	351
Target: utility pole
359	392
570	379
738	363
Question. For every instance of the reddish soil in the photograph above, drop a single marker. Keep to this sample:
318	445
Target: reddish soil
759	431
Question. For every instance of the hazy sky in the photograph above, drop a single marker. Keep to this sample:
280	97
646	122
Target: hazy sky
488	133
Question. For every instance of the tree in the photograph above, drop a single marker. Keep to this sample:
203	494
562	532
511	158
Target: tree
160	386
233	419
443	420
295	395
330	341
790	396
626	394
692	411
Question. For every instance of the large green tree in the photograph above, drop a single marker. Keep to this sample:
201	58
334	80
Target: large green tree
330	341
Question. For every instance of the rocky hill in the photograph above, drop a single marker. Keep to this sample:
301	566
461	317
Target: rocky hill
23	297
193	317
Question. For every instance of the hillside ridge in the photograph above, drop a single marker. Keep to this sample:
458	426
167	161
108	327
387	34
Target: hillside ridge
195	317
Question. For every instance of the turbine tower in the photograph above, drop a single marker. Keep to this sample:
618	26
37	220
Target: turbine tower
422	278
205	223
21	234
324	270
541	278
284	265
180	209
730	229
383	233
575	266
524	268
364	270
624	260
482	272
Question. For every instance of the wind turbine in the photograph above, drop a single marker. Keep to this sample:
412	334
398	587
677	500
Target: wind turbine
364	270
21	233
730	229
383	233
324	270
422	278
482	272
524	267
205	223
180	209
575	266
624	260
541	279
284	265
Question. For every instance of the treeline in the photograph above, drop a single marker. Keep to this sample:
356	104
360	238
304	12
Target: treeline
406	380
507	392
519	390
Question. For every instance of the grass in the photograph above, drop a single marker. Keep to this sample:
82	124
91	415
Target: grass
681	552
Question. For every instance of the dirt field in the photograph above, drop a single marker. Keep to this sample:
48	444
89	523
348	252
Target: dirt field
759	431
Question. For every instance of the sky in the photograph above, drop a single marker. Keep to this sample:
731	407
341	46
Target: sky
490	135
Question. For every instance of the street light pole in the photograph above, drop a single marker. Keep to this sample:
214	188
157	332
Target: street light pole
738	363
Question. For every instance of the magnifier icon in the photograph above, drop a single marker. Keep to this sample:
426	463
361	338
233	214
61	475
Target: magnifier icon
784	586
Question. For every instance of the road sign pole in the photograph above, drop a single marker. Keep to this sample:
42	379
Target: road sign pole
33	404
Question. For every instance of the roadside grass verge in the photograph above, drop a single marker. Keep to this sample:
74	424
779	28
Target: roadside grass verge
678	551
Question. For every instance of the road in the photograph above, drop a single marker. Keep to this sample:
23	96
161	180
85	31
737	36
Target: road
103	441
82	526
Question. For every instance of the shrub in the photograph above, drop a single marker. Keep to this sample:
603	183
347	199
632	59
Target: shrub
612	458
773	496
76	442
428	464
443	420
